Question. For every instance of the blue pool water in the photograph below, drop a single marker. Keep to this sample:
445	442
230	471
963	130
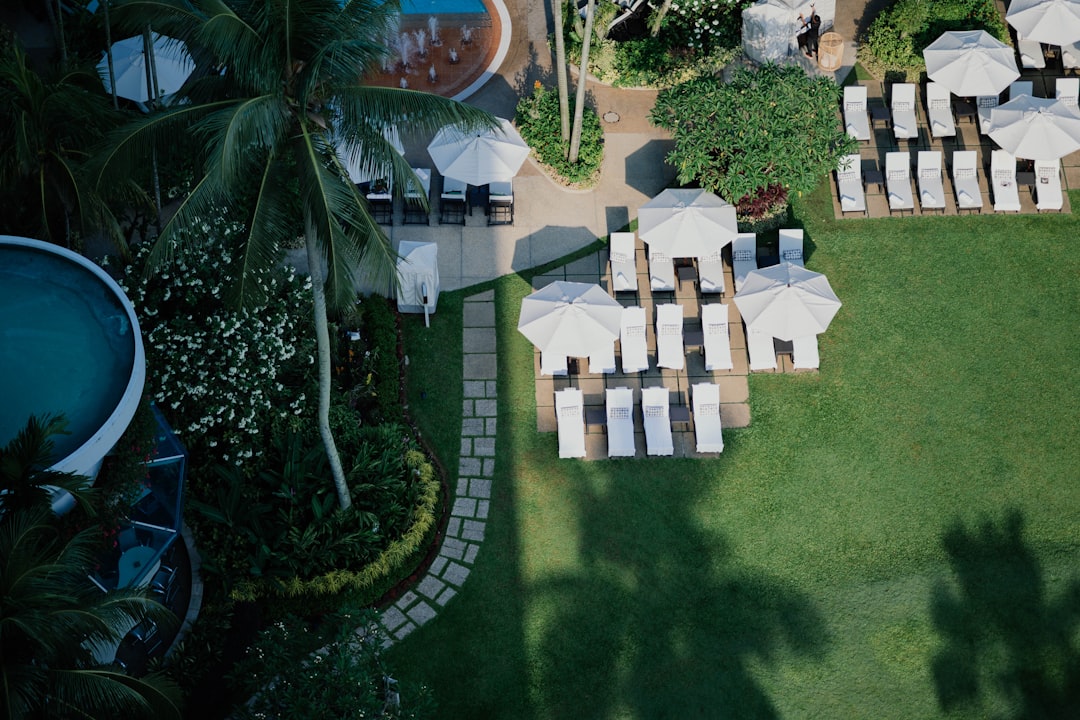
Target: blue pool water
441	7
66	345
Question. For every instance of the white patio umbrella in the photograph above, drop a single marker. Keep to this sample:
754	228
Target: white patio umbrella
358	165
570	318
970	62
687	223
787	301
1056	22
479	158
1035	128
171	60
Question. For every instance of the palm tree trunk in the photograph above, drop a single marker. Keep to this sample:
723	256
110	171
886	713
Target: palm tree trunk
557	9
658	18
322	339
583	74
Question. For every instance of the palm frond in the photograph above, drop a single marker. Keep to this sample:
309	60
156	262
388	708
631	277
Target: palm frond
267	231
420	111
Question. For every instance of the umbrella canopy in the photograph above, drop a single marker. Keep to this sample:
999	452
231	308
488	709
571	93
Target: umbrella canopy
1056	22
479	158
970	62
687	223
358	165
171	60
787	301
569	318
1035	128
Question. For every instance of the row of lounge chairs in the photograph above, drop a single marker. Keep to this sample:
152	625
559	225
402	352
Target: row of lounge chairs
940	117
656	416
1033	55
965	178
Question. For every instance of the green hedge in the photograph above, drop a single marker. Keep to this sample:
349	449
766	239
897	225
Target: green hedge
895	41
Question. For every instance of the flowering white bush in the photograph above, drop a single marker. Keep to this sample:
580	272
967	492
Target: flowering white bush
222	375
708	24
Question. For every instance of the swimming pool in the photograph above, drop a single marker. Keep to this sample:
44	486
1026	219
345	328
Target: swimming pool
69	343
442	7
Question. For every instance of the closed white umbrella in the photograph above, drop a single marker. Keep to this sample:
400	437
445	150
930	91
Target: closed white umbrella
1035	128
970	62
1056	22
479	158
787	301
687	223
571	319
171	60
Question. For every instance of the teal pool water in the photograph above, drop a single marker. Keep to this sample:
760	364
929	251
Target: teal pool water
66	345
442	7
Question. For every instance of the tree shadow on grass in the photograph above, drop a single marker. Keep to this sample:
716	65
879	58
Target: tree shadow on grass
661	622
1010	651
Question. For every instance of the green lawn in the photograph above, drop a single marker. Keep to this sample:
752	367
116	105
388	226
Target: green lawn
895	537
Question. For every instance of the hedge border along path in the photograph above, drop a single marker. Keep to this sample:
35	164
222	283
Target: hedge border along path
476	466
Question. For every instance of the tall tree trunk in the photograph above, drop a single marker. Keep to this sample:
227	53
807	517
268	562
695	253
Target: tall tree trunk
557	9
658	18
109	55
322	339
583	74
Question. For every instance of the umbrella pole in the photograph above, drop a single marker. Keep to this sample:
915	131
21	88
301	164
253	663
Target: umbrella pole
109	56
151	88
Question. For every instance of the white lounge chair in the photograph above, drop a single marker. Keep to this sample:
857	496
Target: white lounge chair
939	110
743	257
654	408
714	326
931	190
417	196
984	104
570	414
633	340
1003	182
898	181
661	272
669	337
620	422
711	273
904	124
1031	53
856	118
623	262
804	352
501	202
603	362
452	201
761	349
965	168
1021	87
1067	90
707	430
1048	185
1070	56
791	246
849	185
552	364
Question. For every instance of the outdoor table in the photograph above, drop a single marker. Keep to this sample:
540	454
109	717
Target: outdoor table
874	177
693	338
784	347
1025	179
478	197
679	414
133	562
686	272
964	109
880	113
595	416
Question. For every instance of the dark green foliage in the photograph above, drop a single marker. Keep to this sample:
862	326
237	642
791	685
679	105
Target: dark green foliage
25	477
774	127
538	121
379	335
897	37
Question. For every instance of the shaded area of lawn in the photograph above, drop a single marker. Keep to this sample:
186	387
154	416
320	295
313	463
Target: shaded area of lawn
813	568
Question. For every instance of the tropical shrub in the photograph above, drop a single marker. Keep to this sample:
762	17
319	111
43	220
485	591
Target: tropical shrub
897	37
538	121
705	25
768	132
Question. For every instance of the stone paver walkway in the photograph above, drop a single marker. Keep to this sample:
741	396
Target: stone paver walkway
476	468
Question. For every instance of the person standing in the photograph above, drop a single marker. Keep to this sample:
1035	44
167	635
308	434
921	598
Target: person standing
803	27
812	33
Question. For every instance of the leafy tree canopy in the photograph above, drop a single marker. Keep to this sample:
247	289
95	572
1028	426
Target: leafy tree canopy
770	127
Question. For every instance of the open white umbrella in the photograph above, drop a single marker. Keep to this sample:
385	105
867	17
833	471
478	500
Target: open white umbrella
970	62
571	319
171	60
1056	22
687	223
787	301
359	165
1035	128
479	158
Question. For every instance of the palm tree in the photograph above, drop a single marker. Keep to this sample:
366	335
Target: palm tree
25	478
52	616
583	74
290	89
48	124
558	8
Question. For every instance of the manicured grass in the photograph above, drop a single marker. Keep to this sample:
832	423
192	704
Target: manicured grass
895	537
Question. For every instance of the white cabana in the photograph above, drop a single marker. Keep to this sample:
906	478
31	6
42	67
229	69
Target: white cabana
418	273
769	27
